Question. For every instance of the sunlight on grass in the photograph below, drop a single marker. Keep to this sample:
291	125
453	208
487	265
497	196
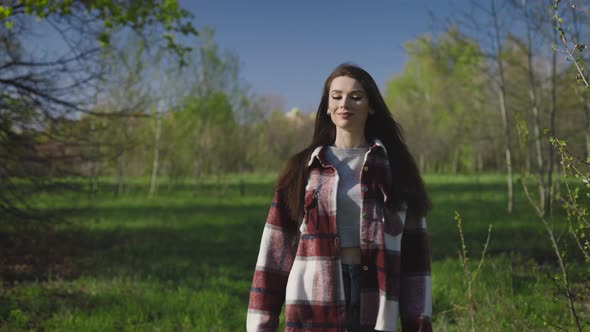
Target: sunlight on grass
183	260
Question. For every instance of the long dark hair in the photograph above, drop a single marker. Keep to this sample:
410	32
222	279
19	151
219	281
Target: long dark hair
406	185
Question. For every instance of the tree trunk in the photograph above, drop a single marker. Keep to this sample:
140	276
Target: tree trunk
535	109
120	173
156	163
503	111
456	156
91	165
197	174
479	162
548	189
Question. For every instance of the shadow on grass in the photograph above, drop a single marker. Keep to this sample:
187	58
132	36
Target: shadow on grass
195	252
194	242
193	247
215	189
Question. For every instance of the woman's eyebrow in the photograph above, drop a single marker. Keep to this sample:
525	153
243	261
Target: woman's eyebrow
353	91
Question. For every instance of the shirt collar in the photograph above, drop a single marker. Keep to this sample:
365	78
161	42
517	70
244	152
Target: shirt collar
318	152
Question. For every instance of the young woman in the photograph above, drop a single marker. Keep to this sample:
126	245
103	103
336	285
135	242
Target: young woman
344	246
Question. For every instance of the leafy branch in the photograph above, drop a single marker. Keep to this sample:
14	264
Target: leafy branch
573	53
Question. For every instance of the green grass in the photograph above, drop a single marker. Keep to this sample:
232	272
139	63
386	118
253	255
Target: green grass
183	261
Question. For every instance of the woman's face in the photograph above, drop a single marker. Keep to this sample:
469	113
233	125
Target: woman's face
348	104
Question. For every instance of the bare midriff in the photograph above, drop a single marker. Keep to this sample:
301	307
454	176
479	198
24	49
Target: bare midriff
350	255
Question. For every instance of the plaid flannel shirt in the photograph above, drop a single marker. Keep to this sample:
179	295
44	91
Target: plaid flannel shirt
299	265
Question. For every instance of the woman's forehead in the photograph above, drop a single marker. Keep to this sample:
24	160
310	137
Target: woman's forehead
345	84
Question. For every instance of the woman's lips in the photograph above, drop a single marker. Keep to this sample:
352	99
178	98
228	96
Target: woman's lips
345	115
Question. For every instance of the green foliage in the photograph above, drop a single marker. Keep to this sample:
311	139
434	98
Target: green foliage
575	206
137	15
204	134
42	94
214	110
439	92
574	51
5	12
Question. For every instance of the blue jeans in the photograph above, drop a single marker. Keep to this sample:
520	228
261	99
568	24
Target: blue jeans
351	275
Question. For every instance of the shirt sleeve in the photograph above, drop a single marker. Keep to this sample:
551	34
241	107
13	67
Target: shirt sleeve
416	288
275	258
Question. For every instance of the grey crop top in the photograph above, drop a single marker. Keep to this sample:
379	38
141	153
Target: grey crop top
348	163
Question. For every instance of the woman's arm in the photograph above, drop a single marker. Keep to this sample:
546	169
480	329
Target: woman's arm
275	258
416	289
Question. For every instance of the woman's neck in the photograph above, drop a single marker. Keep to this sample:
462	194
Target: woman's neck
345	139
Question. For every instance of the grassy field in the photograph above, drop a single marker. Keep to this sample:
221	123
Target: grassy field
183	261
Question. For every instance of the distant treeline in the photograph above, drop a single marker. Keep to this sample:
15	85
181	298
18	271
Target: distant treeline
481	95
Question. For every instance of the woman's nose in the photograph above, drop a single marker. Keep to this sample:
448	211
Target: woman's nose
344	102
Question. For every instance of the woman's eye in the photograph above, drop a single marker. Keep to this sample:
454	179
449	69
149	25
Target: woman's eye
355	98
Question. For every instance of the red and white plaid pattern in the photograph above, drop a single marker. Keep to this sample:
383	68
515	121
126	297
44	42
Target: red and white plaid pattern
299	265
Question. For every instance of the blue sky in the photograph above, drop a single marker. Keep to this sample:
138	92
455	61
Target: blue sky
288	48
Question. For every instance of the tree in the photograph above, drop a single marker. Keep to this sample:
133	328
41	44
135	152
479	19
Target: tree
502	98
431	96
128	96
486	25
531	20
205	130
41	92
